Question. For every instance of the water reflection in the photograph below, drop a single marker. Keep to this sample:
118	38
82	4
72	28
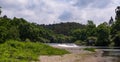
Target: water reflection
113	54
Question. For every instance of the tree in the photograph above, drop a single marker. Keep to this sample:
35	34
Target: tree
0	11
117	11
91	28
115	28
3	34
13	33
116	39
111	21
103	33
79	34
115	31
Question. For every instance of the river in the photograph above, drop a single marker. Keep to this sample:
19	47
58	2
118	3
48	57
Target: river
108	52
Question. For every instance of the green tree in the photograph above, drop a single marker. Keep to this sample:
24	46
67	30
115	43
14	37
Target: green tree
115	31
0	11
117	11
79	34
3	34
116	39
91	28
103	33
111	21
13	33
115	27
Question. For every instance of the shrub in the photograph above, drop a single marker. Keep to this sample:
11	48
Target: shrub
90	49
79	42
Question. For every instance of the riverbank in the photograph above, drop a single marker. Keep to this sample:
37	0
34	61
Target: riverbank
78	55
75	58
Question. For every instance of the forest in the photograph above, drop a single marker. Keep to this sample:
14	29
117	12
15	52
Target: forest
105	34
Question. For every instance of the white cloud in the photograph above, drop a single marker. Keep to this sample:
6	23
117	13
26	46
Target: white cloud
49	11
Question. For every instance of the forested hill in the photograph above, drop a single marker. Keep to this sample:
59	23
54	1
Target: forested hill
64	28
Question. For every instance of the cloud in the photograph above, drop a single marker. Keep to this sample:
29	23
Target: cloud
55	11
92	3
65	16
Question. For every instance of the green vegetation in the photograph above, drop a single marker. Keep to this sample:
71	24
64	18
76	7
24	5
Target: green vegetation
30	36
79	42
105	34
15	51
90	49
64	28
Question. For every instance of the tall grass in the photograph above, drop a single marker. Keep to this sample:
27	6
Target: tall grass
15	51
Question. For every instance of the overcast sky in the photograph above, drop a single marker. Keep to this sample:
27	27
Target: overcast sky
55	11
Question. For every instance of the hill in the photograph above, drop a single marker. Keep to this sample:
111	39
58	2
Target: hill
64	28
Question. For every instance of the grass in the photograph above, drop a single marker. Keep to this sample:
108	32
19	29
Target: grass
90	49
15	51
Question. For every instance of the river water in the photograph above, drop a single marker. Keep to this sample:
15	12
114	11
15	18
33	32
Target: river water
108	52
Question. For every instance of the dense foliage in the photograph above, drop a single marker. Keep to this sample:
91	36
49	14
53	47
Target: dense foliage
15	51
64	28
20	29
103	33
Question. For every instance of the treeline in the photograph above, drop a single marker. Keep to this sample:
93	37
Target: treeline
88	34
105	34
20	29
64	28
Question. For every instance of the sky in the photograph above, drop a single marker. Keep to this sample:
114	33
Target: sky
56	11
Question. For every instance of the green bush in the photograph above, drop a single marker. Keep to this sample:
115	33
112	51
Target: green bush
79	42
15	51
90	49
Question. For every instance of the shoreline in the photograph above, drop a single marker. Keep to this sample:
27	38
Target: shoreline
78	55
